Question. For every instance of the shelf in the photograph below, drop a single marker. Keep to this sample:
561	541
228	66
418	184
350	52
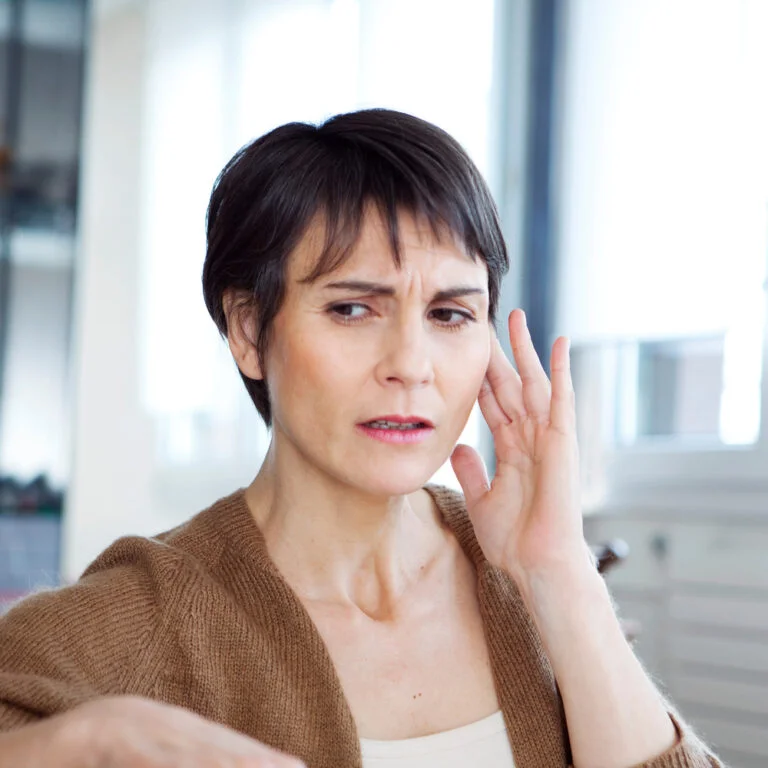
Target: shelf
23	513
41	248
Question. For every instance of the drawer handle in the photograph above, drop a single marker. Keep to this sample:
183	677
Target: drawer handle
660	546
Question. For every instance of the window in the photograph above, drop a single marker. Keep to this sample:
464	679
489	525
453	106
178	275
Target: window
663	236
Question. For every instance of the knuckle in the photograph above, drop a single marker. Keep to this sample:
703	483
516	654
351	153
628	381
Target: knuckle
287	761
271	759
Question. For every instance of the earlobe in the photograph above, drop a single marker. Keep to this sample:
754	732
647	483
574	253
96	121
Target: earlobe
242	332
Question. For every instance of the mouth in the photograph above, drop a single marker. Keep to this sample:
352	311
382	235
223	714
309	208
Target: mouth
398	423
398	430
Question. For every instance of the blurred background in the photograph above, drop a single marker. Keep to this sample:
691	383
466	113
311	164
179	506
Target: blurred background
626	143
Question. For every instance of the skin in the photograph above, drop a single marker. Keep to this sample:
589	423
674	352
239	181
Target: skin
132	732
371	539
371	528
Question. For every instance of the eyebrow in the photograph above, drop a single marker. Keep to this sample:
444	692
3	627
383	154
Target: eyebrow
379	289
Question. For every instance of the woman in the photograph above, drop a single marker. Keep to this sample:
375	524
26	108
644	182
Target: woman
338	610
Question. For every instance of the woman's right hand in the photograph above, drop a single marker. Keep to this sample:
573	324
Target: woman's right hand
132	732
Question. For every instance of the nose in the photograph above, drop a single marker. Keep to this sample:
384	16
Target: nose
406	360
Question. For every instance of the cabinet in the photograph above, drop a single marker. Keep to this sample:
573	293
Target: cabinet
698	583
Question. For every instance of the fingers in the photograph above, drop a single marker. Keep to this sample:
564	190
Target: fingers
563	407
171	735
470	471
284	761
273	759
505	386
490	408
535	384
508	396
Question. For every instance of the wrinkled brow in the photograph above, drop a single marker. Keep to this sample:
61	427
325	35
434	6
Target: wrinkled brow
380	289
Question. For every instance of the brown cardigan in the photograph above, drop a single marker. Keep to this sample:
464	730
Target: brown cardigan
200	617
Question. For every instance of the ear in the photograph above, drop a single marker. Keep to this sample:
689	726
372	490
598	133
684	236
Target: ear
242	332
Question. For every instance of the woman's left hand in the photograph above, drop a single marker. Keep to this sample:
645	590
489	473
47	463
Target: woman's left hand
528	519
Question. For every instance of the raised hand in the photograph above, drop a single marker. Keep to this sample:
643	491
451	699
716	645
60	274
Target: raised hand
528	519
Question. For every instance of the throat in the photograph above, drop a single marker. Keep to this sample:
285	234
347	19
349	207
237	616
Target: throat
352	564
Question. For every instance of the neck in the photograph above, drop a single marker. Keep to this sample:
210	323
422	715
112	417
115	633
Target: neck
336	543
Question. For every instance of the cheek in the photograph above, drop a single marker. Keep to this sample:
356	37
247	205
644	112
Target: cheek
465	365
462	373
308	370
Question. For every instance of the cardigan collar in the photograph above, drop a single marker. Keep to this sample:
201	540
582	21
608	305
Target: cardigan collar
523	676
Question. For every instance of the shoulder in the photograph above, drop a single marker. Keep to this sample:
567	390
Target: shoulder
449	503
147	567
202	538
452	506
91	636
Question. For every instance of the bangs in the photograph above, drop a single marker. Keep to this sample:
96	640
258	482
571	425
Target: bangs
343	227
356	184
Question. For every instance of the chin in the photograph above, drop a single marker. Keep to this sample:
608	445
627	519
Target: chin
399	479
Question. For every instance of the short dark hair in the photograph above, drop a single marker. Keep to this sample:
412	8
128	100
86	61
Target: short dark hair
268	194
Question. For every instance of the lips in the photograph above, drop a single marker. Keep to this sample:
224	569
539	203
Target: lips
396	430
397	419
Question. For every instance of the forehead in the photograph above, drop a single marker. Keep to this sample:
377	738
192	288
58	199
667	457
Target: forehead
372	255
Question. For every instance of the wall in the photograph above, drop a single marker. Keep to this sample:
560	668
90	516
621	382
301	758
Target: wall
112	443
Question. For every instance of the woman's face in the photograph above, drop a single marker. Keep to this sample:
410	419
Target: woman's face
370	341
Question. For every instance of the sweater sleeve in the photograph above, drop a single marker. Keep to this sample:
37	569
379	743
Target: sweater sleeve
62	647
688	752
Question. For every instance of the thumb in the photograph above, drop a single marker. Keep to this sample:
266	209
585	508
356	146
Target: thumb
470	471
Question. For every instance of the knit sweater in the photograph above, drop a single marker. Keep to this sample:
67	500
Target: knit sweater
200	617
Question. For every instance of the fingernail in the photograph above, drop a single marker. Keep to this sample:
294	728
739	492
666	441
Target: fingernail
525	319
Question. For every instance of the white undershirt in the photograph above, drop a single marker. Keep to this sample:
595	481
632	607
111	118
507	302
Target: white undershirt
483	743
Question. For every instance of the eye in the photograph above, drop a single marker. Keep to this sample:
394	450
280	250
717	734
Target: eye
446	317
349	312
452	318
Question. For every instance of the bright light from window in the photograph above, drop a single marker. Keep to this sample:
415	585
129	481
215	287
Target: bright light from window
664	188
